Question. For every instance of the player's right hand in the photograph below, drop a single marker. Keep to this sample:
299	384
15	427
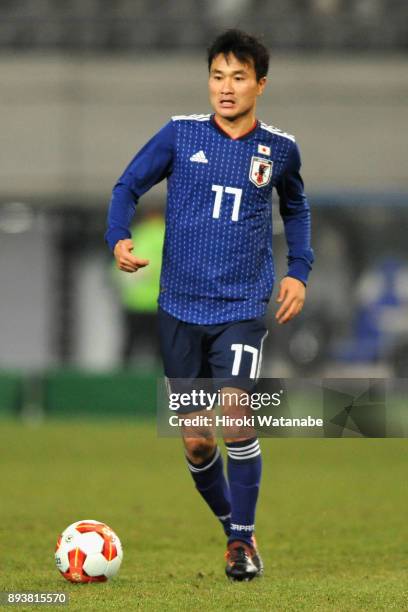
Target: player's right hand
124	258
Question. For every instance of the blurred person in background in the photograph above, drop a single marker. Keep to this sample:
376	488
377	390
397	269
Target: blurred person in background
217	272
380	325
138	294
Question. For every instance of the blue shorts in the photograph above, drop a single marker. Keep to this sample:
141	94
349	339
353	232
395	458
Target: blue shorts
229	353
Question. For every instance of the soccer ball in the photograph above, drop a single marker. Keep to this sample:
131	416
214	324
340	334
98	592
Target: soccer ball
88	551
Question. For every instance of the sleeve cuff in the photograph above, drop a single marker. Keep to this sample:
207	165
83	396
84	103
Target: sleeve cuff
300	270
113	235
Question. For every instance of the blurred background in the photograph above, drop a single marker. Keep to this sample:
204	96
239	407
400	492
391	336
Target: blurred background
85	83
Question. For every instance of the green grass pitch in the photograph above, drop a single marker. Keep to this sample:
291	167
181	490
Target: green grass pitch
331	524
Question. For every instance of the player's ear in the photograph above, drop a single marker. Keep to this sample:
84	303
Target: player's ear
261	85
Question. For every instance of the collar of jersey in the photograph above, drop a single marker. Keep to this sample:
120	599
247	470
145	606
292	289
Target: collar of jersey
245	136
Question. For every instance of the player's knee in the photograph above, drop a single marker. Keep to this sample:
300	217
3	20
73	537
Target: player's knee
199	449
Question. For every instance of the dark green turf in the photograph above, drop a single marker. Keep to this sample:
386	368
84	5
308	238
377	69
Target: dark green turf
332	521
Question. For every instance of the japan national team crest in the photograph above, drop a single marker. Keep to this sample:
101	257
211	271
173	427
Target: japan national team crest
261	171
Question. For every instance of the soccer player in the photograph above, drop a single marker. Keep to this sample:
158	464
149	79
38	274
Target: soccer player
217	272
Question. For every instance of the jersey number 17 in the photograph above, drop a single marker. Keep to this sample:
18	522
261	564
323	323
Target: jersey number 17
219	192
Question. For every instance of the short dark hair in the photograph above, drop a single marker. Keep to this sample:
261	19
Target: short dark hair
245	48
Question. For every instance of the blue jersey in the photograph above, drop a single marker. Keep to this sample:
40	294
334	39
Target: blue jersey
217	256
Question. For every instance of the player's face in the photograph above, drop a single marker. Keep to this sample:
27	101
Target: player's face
233	87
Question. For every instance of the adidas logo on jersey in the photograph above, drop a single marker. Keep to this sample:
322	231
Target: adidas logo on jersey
199	157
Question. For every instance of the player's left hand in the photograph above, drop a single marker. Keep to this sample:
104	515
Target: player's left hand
291	298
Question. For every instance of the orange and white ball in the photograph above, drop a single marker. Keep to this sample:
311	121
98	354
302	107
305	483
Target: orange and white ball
88	551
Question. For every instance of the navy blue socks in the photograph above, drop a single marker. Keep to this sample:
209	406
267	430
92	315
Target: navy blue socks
233	504
211	483
244	476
